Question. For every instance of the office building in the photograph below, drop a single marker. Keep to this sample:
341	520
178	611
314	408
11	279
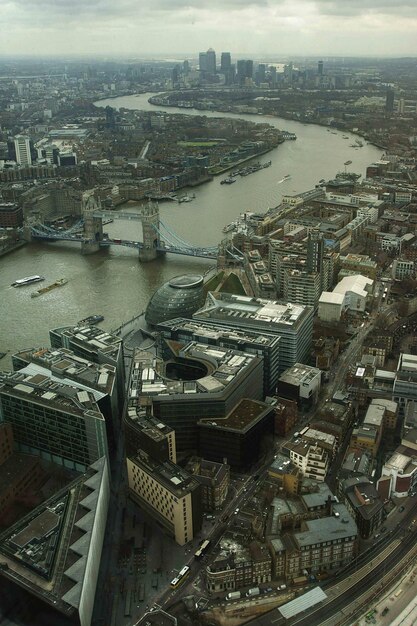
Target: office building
301	383
169	494
251	342
244	71
238	437
320	68
56	421
202	62
211	62
292	322
96	345
225	62
389	101
181	296
23	150
64	367
192	381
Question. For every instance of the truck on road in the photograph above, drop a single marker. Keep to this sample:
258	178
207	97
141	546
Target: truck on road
233	595
254	591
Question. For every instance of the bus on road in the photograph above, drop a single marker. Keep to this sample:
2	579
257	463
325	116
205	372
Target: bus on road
202	549
182	574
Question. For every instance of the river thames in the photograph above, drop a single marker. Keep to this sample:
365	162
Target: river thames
113	282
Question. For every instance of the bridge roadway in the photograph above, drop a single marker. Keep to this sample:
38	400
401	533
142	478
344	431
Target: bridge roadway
204	253
358	587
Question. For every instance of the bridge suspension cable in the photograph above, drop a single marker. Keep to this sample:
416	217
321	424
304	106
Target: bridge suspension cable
171	236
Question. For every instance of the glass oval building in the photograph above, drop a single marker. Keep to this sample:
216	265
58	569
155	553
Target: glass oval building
181	296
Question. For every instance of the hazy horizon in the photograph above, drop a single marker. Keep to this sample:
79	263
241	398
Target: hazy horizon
282	28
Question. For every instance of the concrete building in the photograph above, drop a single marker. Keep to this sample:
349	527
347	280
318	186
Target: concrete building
399	473
331	306
293	323
351	294
169	494
301	383
249	341
22	149
311	459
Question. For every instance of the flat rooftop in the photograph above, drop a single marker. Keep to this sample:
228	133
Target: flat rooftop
244	415
242	310
65	364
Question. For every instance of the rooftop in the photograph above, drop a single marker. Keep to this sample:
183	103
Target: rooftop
242	417
243	310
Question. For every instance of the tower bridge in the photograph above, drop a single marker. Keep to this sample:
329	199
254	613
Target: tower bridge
157	237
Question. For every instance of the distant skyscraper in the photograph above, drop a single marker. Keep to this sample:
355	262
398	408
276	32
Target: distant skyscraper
261	73
225	62
244	70
202	61
320	68
389	101
22	148
211	61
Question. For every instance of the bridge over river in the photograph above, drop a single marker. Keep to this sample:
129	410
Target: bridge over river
157	238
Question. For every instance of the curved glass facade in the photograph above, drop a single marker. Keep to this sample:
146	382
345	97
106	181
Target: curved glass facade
179	297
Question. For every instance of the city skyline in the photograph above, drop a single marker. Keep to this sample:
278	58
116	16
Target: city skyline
301	27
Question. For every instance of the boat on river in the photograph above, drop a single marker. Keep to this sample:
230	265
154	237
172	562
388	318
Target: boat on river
92	319
186	198
228	181
28	280
58	283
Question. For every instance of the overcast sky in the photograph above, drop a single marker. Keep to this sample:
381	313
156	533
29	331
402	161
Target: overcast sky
274	27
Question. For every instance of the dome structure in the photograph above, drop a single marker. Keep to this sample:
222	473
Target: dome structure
181	296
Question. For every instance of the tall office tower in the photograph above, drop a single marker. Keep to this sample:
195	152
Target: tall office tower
249	68
244	70
320	68
315	251
273	74
22	148
389	101
211	61
241	71
186	67
261	73
225	62
202	61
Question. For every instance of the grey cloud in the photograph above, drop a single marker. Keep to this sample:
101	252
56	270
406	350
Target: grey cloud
361	7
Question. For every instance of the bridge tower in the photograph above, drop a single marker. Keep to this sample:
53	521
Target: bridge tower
150	230
93	226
